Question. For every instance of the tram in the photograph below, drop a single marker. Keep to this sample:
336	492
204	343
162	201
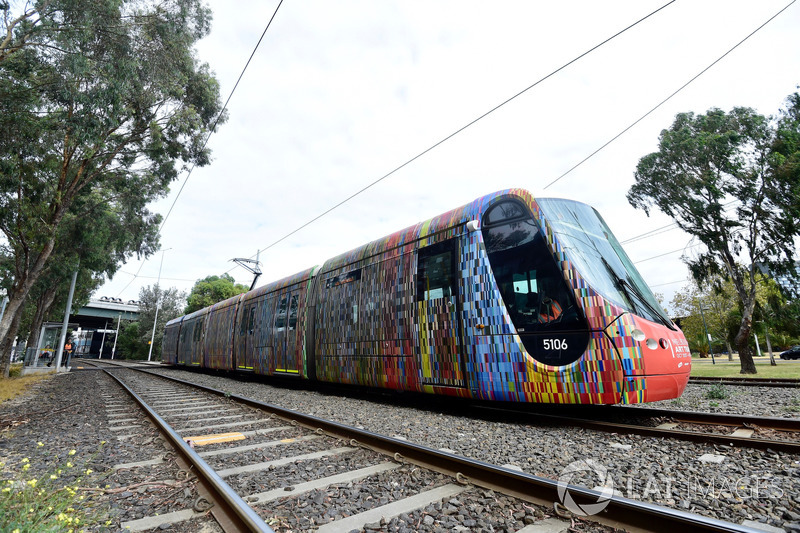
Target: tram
507	298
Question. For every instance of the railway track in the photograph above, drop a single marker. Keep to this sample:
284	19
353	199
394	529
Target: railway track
748	382
765	433
278	464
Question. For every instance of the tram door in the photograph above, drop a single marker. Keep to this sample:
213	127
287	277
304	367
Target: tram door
286	333
438	307
245	358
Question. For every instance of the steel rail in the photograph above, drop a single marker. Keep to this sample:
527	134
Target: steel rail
748	382
587	417
619	512
721	419
230	510
567	416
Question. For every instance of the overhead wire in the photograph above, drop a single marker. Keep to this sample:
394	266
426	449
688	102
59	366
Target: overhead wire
669	227
665	100
210	132
461	129
303	226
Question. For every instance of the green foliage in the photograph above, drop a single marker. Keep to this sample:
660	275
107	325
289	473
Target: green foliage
717	392
732	180
722	311
130	344
170	304
50	502
103	102
211	290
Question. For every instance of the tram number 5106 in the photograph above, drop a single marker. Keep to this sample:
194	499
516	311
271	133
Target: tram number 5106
555	344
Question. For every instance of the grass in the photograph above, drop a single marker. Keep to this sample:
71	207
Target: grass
730	369
16	384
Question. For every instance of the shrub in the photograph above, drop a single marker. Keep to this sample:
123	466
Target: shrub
717	392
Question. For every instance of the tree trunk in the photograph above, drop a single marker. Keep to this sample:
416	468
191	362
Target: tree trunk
730	349
19	293
8	331
745	356
7	342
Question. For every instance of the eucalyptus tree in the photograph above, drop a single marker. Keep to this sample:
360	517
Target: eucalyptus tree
103	101
732	180
212	289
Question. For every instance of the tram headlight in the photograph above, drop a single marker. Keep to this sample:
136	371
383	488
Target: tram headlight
652	344
638	335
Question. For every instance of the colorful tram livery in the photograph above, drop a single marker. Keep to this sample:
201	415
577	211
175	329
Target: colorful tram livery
507	298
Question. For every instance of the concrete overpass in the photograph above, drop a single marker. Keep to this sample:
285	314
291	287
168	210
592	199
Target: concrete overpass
98	313
98	321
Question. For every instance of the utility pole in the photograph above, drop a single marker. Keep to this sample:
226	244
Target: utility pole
60	349
158	304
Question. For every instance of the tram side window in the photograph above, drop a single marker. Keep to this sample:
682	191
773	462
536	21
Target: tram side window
435	277
538	298
280	317
248	320
293	313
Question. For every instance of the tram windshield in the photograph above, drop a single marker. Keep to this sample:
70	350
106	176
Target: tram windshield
600	259
539	301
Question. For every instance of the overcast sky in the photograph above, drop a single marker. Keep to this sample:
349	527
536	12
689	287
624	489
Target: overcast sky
341	93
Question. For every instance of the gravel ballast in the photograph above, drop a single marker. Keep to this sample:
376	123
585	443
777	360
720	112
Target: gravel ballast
68	412
755	485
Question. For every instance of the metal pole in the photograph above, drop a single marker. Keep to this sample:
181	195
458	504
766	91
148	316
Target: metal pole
66	319
38	347
116	335
103	340
710	351
158	304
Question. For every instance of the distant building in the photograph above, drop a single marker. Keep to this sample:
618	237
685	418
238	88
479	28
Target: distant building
789	285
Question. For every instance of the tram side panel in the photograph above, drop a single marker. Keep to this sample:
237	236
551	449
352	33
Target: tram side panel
362	317
268	336
218	350
385	321
169	345
192	338
336	324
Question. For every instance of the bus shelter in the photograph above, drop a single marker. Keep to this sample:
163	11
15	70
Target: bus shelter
42	358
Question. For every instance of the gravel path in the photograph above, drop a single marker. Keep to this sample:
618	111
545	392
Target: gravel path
68	412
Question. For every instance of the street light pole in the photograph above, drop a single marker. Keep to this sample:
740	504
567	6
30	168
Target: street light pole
158	304
710	351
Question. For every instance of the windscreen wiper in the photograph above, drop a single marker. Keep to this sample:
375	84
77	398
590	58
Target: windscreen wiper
631	290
